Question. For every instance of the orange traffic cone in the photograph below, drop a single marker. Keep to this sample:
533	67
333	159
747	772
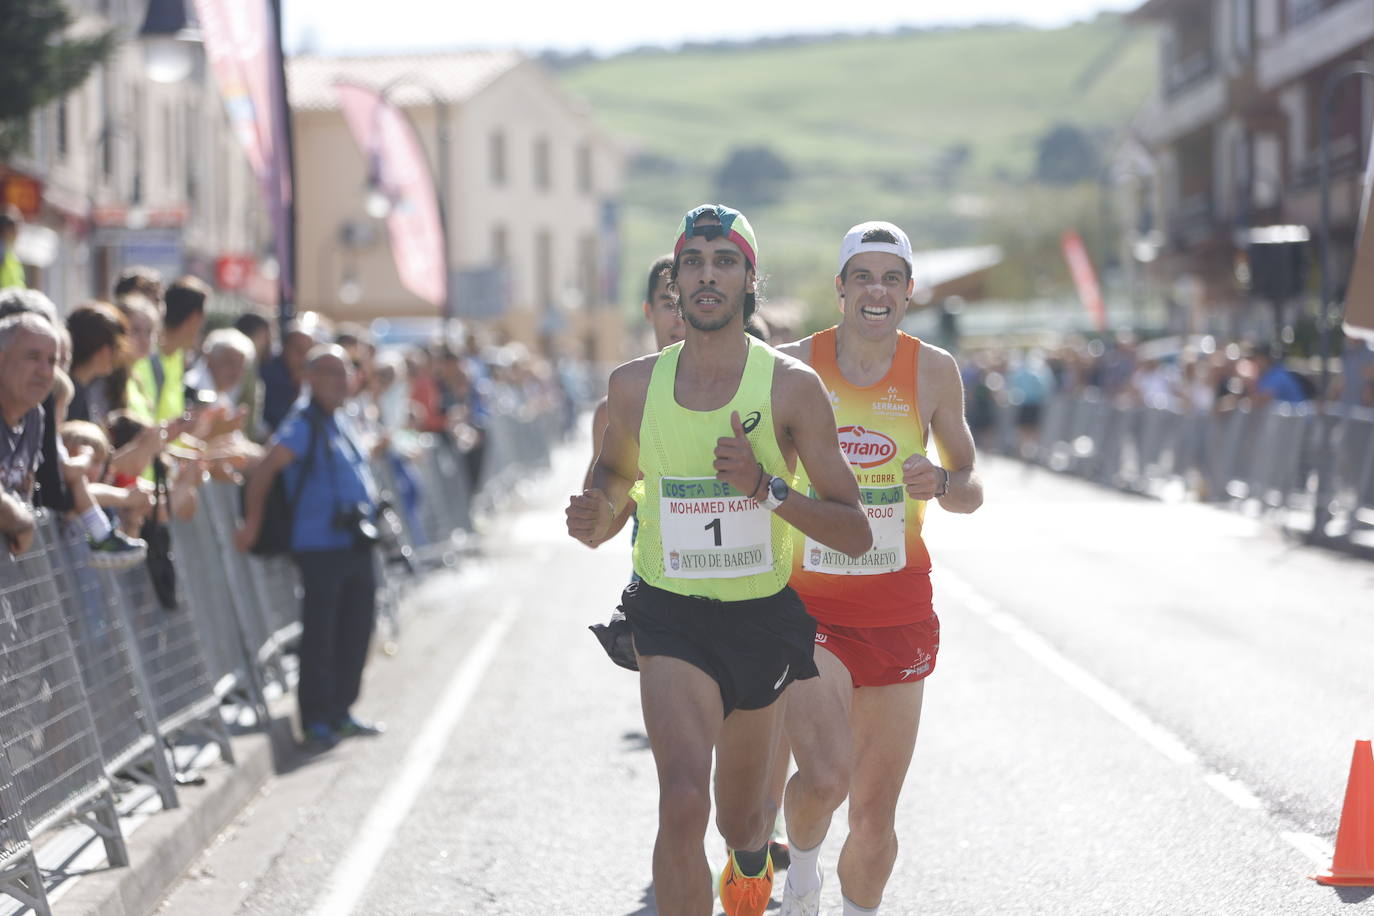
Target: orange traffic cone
1353	863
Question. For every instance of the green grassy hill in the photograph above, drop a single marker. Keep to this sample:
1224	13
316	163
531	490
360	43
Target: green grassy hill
935	130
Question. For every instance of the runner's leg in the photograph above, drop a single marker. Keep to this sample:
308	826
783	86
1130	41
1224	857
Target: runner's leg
682	717
777	784
885	721
744	764
818	712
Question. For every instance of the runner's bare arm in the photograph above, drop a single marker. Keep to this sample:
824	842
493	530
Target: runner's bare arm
600	417
949	428
834	517
592	512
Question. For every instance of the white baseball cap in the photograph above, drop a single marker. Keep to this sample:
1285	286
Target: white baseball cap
854	244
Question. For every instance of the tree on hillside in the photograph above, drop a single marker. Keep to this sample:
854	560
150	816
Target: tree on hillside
1065	155
39	62
752	176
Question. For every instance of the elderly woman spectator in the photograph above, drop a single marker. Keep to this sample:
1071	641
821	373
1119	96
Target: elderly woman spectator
98	331
225	395
226	357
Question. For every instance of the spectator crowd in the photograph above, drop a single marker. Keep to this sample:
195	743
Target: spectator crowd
1198	377
117	412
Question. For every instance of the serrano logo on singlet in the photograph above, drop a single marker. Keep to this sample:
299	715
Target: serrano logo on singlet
892	404
865	448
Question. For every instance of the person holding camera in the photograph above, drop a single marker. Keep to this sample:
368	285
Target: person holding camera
334	505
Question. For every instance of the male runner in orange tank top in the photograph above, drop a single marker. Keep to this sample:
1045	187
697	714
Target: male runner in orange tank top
853	728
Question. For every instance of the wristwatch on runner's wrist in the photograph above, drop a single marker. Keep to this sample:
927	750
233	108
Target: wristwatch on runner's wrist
944	483
776	493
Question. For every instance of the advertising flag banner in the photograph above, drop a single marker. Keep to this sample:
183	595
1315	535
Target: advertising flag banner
1359	298
1084	277
244	52
398	168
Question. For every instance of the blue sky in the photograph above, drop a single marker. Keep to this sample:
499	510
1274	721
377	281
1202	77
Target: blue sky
330	27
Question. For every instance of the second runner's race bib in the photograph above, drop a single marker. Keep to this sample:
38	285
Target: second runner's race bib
712	531
886	510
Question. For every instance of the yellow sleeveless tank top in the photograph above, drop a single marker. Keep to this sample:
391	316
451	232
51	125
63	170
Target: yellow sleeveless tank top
697	535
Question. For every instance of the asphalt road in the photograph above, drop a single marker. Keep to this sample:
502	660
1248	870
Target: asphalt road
1138	708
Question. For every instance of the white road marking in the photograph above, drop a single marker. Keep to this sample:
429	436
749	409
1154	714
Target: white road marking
1314	847
350	878
1234	790
1116	705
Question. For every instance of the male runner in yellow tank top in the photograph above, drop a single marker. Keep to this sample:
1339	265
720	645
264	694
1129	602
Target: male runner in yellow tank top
715	426
853	728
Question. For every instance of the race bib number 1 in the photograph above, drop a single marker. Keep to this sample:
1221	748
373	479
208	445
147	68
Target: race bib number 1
712	531
886	509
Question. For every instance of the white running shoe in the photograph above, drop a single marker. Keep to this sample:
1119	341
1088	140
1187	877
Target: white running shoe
794	904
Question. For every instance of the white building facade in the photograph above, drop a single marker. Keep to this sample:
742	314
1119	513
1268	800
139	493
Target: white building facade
125	170
531	201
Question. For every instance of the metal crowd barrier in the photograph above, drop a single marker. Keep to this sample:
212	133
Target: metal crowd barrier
111	668
1352	470
263	592
445	515
47	733
19	874
516	442
98	679
169	641
230	665
1267	458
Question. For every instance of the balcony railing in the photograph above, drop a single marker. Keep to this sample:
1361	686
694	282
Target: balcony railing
1188	72
1304	11
1316	33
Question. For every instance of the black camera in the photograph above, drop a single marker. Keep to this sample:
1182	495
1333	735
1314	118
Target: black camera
357	521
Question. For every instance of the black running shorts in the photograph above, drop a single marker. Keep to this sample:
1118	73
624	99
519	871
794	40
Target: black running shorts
752	649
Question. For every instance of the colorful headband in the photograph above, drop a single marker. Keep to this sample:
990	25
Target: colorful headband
733	227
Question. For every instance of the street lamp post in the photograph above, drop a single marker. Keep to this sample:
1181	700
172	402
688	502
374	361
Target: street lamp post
379	206
1322	514
170	41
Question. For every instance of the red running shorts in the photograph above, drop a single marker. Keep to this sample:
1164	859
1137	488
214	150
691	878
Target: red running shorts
880	656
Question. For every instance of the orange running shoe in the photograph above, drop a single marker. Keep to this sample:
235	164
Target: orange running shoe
741	895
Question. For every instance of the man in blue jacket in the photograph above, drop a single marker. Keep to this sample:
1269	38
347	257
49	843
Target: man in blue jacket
332	536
